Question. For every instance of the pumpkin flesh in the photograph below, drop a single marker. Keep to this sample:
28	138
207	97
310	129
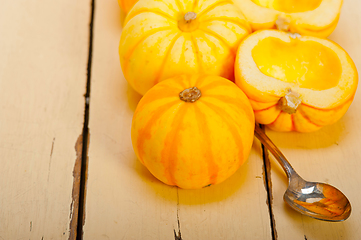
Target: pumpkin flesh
318	67
289	6
193	144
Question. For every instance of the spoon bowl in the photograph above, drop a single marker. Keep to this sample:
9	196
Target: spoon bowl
317	200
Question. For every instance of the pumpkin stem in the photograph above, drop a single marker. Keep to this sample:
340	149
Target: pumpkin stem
189	16
290	102
189	23
190	94
283	23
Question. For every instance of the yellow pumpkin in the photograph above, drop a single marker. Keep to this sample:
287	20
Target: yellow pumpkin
162	39
126	5
295	83
306	17
191	131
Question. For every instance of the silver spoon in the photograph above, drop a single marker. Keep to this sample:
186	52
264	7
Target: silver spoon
317	200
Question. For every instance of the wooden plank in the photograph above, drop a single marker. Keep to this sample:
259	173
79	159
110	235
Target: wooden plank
124	201
43	72
234	209
331	155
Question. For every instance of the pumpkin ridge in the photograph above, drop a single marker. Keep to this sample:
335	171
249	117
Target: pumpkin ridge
144	133
231	101
147	10
255	104
195	3
307	118
271	95
179	5
182	82
276	118
196	53
213	168
293	125
200	81
148	34
219	38
212	84
265	109
233	130
263	102
182	56
241	24
207	37
169	153
166	56
167	95
213	6
176	88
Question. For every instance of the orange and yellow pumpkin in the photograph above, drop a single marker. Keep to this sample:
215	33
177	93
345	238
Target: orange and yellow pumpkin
126	5
295	83
162	39
193	130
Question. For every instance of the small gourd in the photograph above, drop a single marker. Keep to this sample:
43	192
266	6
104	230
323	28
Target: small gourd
193	131
162	39
295	83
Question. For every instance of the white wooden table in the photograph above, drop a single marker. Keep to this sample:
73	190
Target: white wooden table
46	50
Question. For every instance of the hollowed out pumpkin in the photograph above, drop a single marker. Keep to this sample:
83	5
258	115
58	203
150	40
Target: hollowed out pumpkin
307	17
192	130
295	83
162	39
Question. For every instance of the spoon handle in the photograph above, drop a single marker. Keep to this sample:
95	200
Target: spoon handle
258	132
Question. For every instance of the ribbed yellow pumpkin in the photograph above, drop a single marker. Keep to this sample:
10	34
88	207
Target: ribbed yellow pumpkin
126	5
191	131
162	39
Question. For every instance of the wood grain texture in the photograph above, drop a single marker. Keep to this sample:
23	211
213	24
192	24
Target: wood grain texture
43	64
331	155
124	201
43	61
